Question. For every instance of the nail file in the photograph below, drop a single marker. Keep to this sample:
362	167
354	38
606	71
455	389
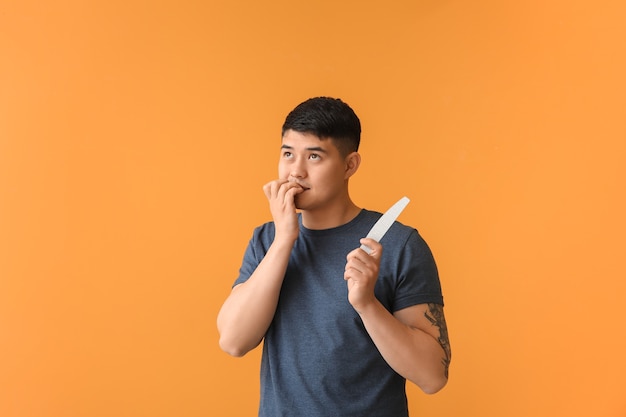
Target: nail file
384	223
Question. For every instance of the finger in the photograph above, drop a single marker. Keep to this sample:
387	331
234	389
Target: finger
358	255
270	188
351	273
355	265
267	189
287	185
290	190
376	247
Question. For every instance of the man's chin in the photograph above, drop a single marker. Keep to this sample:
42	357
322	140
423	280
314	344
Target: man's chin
300	202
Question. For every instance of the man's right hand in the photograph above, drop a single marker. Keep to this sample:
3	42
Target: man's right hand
281	194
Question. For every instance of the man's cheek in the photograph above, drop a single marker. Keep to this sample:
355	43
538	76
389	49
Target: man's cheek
283	173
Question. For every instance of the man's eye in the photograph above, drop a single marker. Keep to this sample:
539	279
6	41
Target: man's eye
287	154
314	156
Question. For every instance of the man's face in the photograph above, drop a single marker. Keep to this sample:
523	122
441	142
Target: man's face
317	166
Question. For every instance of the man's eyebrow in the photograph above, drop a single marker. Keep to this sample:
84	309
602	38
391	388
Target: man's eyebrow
317	149
313	148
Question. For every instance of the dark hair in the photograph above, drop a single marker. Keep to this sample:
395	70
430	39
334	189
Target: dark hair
327	118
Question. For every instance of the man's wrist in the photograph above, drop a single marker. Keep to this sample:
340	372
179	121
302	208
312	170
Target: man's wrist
281	241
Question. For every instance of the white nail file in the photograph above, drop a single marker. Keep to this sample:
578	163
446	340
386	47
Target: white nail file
386	220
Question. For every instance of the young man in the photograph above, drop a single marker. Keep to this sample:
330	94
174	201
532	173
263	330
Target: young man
343	329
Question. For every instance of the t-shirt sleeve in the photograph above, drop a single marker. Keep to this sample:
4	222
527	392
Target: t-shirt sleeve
256	250
417	278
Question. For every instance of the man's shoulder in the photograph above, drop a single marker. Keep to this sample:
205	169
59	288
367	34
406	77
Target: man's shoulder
264	232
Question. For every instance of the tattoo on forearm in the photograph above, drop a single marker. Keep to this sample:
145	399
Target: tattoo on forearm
435	316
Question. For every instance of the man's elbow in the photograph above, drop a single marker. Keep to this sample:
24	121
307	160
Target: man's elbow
233	349
236	347
434	386
229	342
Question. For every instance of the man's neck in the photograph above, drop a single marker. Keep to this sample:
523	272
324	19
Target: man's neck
331	217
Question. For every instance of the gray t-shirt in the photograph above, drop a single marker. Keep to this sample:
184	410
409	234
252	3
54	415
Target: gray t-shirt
318	360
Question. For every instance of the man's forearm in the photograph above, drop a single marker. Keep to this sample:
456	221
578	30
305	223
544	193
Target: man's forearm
247	313
411	352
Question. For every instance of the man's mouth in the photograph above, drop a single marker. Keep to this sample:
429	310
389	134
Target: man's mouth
304	187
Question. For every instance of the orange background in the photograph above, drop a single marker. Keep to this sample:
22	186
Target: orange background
135	137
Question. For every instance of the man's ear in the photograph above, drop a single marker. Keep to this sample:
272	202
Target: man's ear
353	161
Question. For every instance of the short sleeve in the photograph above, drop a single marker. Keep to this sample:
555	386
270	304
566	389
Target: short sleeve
255	252
417	275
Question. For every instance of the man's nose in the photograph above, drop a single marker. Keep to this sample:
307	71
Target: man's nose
297	170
